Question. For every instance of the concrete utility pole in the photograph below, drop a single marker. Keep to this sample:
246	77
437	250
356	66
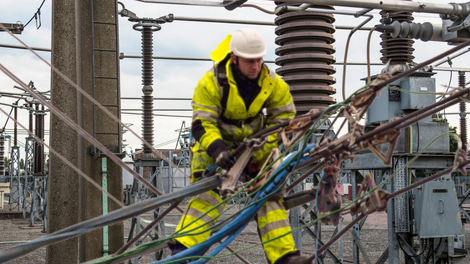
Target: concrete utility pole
84	48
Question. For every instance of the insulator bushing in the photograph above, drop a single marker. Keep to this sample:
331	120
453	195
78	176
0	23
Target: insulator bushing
2	155
147	121
305	57
399	51
39	148
463	110
147	53
147	81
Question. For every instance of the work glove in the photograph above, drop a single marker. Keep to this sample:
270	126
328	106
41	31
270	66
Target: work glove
223	160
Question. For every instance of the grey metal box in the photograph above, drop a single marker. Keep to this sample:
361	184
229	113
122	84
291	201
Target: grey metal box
423	134
417	84
392	103
436	210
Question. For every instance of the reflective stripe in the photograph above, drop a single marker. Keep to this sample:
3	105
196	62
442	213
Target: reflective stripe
280	110
196	214
227	127
215	109
210	200
273	226
271	73
205	115
255	125
270	206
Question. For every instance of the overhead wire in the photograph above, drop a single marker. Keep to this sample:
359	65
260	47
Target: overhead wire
61	157
35	15
105	110
368	54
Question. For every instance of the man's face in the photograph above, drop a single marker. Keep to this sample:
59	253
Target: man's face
250	68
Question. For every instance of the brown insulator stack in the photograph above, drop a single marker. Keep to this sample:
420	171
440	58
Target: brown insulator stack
305	56
2	155
463	111
39	148
147	81
399	51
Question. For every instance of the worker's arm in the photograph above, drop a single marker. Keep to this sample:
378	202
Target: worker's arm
279	108
206	111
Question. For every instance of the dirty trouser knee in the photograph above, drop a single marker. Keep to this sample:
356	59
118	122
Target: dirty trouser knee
197	206
273	221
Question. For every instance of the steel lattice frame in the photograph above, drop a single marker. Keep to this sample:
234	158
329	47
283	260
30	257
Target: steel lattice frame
16	187
28	190
141	193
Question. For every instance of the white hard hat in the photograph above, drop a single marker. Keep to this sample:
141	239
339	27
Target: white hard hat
248	43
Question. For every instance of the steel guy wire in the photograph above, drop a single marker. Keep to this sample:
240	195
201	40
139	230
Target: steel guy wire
35	15
86	95
81	131
61	157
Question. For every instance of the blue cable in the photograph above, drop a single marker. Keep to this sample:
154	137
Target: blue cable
237	225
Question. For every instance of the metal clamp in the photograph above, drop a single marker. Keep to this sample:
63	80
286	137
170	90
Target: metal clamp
142	24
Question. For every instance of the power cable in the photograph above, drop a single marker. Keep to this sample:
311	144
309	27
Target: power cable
368	54
344	67
449	61
38	13
424	249
432	252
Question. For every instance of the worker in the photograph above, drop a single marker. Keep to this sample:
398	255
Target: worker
228	105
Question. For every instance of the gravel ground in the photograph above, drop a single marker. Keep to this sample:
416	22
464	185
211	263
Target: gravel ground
373	237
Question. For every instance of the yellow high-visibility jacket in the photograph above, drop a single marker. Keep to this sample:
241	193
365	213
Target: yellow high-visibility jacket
215	121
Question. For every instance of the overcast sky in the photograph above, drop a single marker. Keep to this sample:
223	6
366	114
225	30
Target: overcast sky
188	39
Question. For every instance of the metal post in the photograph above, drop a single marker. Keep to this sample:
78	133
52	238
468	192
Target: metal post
356	227
340	241
2	156
16	189
104	184
393	252
295	217
28	190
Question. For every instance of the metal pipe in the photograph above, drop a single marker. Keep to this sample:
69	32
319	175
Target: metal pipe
467	113
219	20
185	2
451	57
402	6
123	56
139	98
125	113
23	47
158	110
363	12
450	69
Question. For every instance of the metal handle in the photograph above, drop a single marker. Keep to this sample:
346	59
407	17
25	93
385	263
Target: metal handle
442	206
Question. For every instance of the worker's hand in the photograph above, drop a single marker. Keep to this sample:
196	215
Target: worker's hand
224	161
